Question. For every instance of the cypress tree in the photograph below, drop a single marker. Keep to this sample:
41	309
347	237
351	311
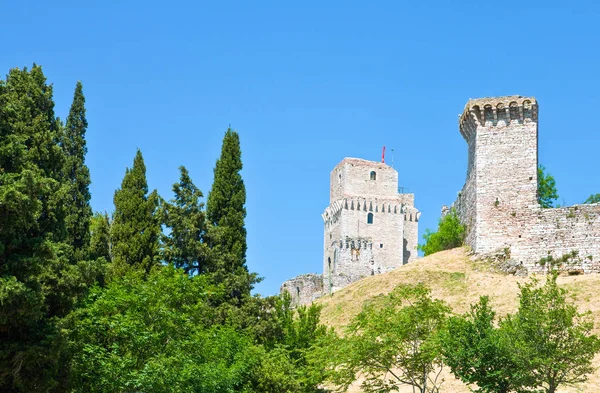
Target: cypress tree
185	217
31	230
135	228
226	213
77	175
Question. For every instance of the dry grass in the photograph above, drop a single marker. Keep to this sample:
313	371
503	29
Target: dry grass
454	277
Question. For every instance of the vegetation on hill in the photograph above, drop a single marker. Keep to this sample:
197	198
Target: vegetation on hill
450	234
488	341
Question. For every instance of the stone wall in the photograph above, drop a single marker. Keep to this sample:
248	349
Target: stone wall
411	230
352	176
379	244
304	289
557	232
498	203
369	228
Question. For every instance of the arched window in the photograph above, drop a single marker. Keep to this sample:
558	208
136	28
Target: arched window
370	218
373	175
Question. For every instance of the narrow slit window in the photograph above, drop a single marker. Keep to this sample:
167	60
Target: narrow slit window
370	218
373	175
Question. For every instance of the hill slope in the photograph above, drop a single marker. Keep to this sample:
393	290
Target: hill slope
460	281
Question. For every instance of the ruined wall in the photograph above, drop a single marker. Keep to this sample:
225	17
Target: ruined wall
498	203
411	228
304	289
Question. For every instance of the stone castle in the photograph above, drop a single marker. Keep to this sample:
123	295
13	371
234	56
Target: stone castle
371	228
498	203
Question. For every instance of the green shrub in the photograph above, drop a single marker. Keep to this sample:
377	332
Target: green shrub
450	234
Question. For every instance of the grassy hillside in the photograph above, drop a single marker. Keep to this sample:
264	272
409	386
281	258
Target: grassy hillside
454	277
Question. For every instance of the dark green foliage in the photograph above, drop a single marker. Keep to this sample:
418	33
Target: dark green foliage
100	237
135	229
40	278
450	234
77	176
546	192
226	213
391	343
184	216
479	353
594	198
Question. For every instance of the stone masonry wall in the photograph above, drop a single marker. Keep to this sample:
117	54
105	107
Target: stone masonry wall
411	228
304	289
379	250
369	228
498	203
558	232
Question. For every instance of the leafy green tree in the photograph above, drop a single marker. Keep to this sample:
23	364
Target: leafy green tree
226	213
479	353
184	216
546	191
77	175
157	335
552	340
100	237
391	343
594	198
135	228
450	234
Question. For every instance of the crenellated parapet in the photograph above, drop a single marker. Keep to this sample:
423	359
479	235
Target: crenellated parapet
369	205
496	112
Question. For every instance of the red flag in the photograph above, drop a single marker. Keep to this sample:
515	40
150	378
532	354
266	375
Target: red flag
383	155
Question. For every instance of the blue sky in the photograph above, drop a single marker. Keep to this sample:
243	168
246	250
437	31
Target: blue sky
307	84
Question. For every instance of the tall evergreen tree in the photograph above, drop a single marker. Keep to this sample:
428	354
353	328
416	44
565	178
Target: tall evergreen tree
226	214
77	175
32	263
135	229
184	215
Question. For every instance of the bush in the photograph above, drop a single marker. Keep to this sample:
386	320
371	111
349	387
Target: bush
450	234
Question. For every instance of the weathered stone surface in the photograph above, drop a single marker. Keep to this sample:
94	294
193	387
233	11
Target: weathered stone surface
304	289
498	203
369	228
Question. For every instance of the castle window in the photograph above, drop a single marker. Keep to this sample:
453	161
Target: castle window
298	291
370	218
380	245
373	175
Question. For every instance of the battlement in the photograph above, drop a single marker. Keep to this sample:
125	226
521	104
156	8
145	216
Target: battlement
498	203
496	112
